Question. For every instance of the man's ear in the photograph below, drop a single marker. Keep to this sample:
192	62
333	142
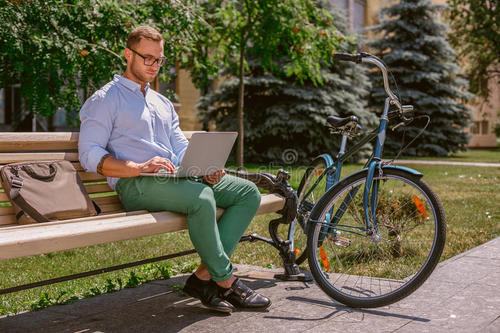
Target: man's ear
127	54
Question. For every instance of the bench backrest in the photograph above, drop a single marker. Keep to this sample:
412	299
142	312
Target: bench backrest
18	147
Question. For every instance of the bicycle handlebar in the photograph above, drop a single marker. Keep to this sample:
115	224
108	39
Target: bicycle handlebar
348	57
371	59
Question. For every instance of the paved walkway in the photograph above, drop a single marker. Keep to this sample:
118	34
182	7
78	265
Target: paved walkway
462	295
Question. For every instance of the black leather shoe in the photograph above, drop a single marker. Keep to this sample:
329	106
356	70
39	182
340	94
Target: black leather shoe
207	293
241	296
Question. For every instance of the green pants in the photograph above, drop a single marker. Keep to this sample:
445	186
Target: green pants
214	241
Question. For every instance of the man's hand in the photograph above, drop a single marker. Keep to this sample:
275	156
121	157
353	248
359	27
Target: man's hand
214	178
155	164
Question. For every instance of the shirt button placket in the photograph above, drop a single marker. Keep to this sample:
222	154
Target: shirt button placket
153	119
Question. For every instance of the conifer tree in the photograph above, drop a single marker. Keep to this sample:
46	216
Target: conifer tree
413	44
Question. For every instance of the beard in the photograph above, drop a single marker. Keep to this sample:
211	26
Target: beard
140	74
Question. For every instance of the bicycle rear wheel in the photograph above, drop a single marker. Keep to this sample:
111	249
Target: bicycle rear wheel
311	189
362	271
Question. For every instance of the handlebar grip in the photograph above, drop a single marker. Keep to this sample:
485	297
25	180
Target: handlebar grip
348	57
357	58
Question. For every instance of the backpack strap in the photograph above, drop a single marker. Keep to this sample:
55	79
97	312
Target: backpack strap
16	185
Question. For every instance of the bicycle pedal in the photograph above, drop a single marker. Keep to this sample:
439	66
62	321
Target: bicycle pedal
341	241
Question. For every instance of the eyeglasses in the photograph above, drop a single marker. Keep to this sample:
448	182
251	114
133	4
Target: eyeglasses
149	60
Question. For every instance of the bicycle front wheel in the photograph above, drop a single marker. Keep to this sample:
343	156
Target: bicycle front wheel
363	270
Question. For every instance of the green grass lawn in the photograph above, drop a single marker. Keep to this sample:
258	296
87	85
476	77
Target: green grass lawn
491	155
470	197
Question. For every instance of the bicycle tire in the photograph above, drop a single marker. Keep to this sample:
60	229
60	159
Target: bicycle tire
393	261
305	205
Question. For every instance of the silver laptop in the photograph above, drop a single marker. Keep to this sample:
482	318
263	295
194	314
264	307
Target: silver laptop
206	153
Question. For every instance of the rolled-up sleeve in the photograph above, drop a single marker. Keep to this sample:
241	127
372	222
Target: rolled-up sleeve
177	139
96	117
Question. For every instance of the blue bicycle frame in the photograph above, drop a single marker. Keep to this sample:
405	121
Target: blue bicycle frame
374	164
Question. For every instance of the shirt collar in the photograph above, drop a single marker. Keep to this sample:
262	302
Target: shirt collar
129	83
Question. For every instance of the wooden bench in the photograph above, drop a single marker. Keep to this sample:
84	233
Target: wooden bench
114	224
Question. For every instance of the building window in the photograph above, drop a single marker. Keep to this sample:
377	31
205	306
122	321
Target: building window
358	15
340	4
480	127
475	127
484	127
354	12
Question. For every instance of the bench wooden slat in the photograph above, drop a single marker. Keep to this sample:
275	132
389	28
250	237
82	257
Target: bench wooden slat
21	157
98	188
6	211
7	219
45	141
90	176
107	200
19	241
10	221
38	141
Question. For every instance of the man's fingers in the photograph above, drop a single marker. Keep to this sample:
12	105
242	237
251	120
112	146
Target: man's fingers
214	177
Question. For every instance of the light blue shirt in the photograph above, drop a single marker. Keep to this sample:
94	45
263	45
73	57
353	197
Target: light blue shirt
119	120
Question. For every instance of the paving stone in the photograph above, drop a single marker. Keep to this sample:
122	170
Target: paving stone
492	279
367	320
413	327
489	250
427	293
275	321
493	327
113	300
311	308
465	271
39	321
473	309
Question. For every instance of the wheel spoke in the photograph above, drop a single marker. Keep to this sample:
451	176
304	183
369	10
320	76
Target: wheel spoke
368	271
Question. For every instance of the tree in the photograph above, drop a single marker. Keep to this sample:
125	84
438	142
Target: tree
476	35
285	119
413	44
286	37
61	51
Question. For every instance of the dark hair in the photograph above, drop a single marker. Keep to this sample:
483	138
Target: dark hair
143	32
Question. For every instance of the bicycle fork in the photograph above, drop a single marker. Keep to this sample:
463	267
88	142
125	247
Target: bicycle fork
370	194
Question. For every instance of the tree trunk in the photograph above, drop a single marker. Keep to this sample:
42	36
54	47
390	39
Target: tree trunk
241	96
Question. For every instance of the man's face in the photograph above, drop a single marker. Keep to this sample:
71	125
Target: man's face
150	49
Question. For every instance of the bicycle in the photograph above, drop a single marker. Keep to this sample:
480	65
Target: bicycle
375	236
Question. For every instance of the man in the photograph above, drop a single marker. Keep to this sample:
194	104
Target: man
128	128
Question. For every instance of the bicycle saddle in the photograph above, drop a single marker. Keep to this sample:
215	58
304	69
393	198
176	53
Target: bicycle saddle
339	122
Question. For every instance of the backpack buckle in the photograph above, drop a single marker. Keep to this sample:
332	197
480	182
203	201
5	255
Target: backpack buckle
16	182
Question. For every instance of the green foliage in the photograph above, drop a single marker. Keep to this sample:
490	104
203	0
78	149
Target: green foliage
413	44
285	118
46	300
476	35
288	38
62	51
